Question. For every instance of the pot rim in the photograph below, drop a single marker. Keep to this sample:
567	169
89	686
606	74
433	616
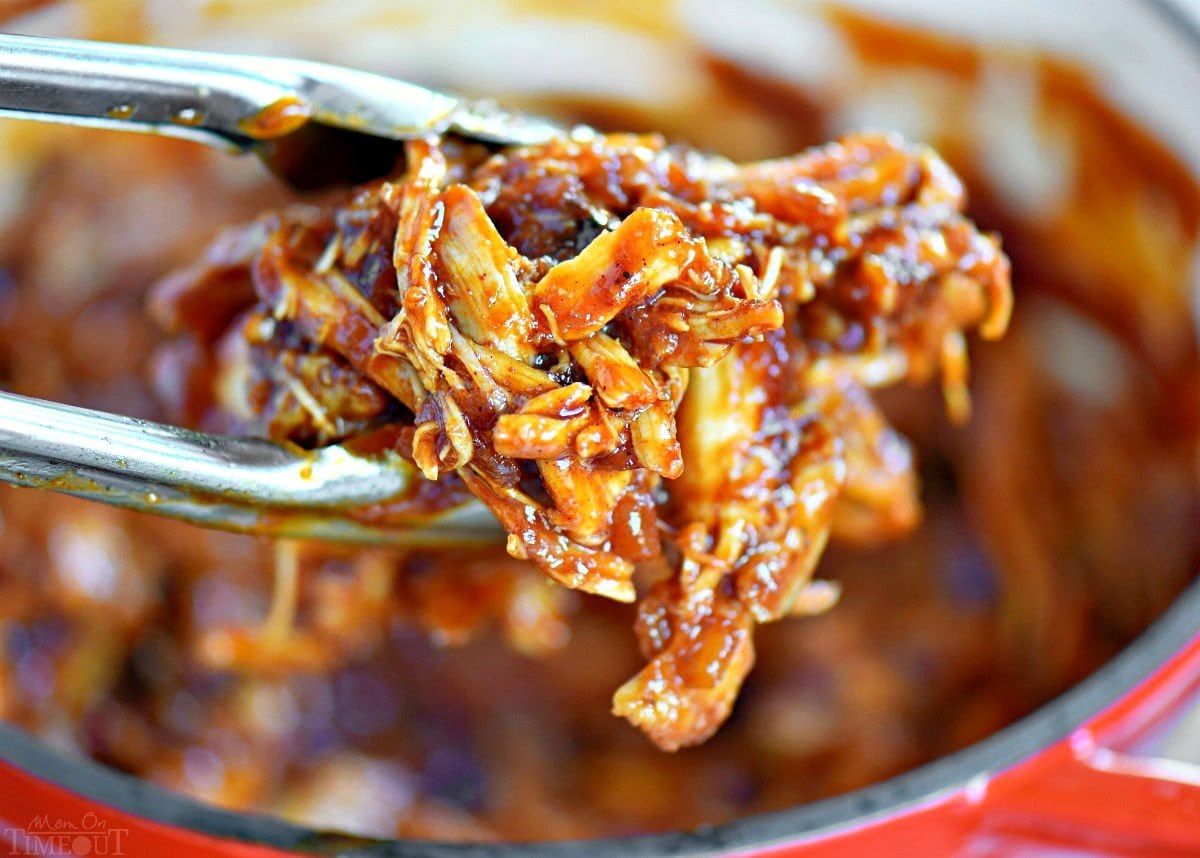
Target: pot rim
1002	750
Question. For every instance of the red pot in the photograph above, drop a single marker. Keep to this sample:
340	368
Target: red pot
1077	777
1072	778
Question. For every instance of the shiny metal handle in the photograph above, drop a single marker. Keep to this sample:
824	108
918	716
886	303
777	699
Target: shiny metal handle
227	100
241	484
154	454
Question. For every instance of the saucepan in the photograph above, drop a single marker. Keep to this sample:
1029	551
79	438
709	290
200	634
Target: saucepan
1075	126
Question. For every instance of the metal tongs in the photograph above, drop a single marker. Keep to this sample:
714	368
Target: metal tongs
312	124
306	120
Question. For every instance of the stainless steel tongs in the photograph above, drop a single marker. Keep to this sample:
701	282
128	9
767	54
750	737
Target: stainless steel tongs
299	116
243	484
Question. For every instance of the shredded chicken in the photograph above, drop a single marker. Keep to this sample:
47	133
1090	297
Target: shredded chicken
630	352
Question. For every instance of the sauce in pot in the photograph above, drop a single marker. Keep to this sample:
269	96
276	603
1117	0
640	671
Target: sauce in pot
457	694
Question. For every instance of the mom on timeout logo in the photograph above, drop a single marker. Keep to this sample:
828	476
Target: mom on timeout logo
47	835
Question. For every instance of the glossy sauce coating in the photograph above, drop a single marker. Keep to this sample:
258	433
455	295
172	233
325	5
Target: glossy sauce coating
460	694
624	349
277	119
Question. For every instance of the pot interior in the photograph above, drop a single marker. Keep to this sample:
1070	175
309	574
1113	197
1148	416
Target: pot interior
1059	524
